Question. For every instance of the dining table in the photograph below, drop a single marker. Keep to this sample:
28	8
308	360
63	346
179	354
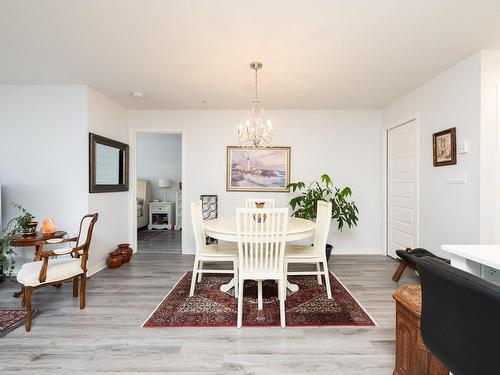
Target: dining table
224	229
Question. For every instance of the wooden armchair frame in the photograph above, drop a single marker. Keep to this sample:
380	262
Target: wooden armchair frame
78	251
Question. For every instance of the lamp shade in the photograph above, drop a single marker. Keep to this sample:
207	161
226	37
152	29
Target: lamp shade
164	183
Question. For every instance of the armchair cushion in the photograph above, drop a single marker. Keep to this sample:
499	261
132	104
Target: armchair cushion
58	269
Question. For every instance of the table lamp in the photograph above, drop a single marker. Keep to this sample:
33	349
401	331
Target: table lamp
164	183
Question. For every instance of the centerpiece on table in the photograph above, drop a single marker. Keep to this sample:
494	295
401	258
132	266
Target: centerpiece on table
304	206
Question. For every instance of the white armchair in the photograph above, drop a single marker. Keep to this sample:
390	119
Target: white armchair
52	270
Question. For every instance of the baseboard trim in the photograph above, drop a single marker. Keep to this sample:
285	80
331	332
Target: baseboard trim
96	268
357	251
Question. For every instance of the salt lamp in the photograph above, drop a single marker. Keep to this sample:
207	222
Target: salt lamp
48	226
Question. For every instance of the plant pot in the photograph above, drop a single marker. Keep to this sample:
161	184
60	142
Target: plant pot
328	251
30	229
115	260
125	250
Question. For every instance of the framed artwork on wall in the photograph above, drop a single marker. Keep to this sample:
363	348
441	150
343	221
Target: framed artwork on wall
264	169
444	144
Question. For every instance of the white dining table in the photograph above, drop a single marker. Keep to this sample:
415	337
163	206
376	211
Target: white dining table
224	229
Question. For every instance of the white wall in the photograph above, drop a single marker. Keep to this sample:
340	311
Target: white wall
44	160
344	144
107	118
448	213
490	150
159	155
43	154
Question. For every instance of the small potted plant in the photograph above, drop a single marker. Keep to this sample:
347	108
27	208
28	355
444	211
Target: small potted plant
304	206
21	224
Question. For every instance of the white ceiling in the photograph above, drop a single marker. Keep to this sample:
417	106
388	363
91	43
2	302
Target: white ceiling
316	53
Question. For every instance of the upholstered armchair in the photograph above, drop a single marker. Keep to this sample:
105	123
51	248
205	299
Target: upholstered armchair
54	269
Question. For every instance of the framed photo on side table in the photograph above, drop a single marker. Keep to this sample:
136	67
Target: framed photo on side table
444	144
258	169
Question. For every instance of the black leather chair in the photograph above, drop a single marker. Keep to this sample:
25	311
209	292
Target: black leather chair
460	318
409	258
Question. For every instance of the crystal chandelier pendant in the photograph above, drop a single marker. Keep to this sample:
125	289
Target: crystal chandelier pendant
256	131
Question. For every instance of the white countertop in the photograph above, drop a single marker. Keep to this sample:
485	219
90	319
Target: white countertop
488	255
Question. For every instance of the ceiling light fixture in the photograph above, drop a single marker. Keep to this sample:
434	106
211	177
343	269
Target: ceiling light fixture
256	131
137	94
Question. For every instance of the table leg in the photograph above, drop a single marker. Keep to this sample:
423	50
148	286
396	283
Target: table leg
18	294
38	253
227	287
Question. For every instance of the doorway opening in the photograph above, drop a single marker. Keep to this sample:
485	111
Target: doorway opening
158	158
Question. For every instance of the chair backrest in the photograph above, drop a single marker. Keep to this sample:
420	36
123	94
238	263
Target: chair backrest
261	239
198	229
209	205
322	228
85	237
266	203
86	230
460	313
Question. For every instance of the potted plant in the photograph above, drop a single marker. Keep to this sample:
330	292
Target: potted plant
304	206
21	224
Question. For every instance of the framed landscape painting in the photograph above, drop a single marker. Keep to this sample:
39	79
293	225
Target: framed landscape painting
258	169
445	147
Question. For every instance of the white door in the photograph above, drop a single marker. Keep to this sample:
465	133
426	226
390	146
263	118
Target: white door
402	216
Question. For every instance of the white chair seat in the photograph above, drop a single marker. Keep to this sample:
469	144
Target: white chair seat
58	269
218	250
300	252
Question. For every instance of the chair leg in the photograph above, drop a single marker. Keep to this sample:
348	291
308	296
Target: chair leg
235	269
327	280
193	277
83	284
285	278
23	301
75	287
318	269
200	274
29	312
240	303
399	271
259	295
281	292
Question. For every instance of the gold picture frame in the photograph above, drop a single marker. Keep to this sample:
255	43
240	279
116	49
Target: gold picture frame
265	169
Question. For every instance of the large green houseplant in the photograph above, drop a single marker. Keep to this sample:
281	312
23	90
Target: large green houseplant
17	225
344	210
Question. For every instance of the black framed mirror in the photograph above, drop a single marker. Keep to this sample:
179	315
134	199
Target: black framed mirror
108	165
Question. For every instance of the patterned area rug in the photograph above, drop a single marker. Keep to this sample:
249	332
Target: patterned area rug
210	307
10	319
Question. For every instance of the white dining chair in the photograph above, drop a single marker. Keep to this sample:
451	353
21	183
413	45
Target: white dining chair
261	248
210	253
268	203
313	254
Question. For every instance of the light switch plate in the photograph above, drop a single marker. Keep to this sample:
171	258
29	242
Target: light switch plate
463	147
456	178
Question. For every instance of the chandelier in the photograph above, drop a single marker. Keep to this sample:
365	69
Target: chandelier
256	131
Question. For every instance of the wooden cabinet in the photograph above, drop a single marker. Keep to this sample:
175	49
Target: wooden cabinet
412	357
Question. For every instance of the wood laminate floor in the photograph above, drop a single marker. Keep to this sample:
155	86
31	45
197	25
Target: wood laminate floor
107	338
164	241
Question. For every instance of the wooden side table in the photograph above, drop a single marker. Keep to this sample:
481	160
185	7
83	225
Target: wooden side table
412	357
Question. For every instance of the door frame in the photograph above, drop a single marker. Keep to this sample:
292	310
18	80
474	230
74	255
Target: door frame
385	198
133	179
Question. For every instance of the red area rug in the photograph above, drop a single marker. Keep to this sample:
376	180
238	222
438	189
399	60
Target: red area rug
210	307
10	319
